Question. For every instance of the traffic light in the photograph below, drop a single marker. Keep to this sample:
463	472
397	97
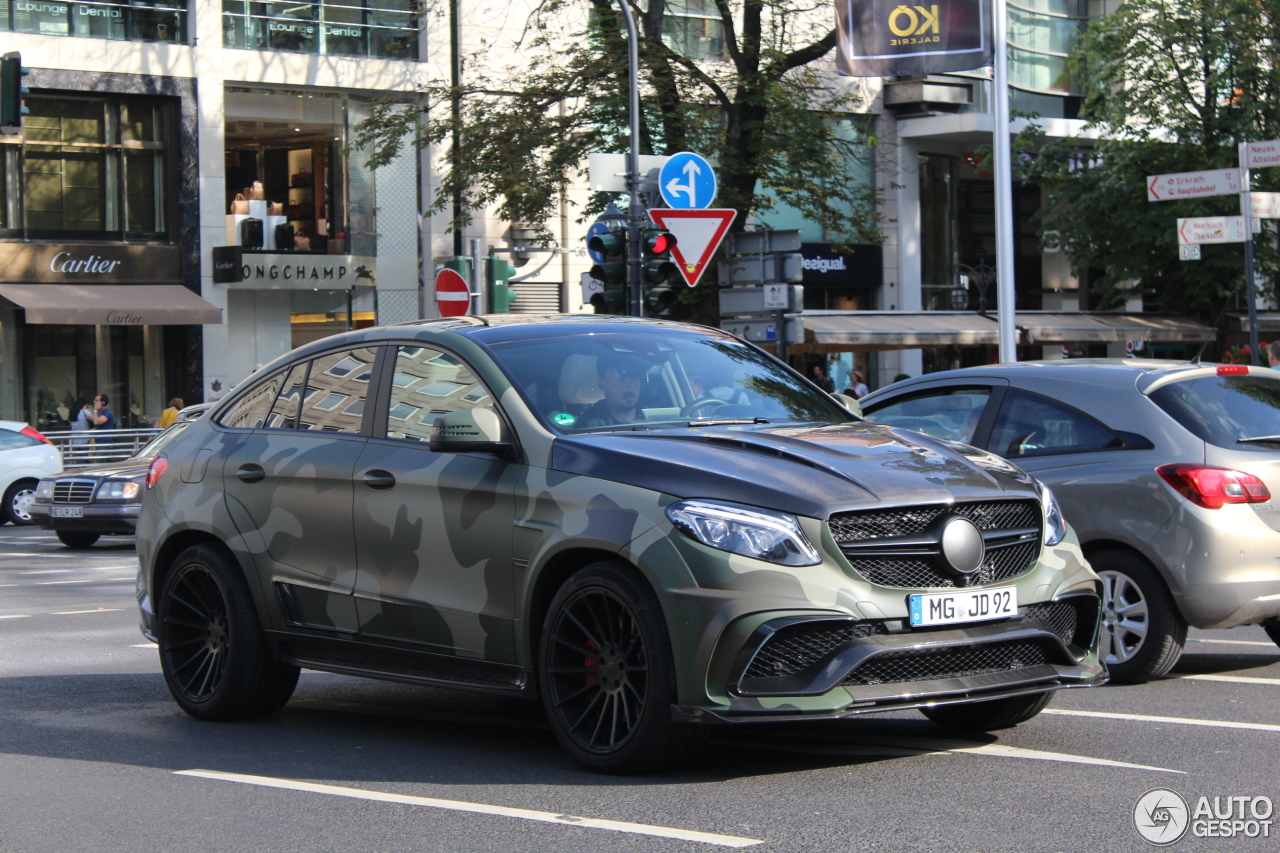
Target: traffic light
659	271
612	272
12	92
496	275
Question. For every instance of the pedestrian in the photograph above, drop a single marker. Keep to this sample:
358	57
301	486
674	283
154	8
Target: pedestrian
80	422
1273	354
169	416
860	388
821	379
102	418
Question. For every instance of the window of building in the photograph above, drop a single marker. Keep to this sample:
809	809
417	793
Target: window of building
693	28
1042	36
382	28
136	20
87	168
426	385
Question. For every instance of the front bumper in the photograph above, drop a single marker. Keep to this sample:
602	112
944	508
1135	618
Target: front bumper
101	518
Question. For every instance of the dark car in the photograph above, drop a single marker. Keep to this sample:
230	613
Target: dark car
646	526
102	500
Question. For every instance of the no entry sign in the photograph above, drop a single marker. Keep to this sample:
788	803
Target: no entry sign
453	296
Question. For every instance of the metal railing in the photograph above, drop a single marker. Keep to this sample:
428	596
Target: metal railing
81	449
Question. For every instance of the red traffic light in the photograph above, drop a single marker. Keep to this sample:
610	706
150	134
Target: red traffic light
661	243
658	242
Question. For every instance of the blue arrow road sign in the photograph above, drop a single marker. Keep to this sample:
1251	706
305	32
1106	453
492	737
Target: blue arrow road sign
687	182
596	228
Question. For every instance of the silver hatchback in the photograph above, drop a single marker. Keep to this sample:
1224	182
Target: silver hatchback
1165	470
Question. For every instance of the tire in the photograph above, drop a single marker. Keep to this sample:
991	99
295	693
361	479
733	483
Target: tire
212	650
1142	631
988	716
1272	627
17	502
607	674
76	540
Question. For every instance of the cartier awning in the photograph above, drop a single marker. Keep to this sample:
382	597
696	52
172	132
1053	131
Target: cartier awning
1071	327
899	329
112	304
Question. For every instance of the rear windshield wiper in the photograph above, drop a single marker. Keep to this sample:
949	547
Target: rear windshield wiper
1259	439
726	421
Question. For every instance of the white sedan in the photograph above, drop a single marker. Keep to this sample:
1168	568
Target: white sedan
25	457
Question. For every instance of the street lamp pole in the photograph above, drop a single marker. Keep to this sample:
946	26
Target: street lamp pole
1001	151
635	209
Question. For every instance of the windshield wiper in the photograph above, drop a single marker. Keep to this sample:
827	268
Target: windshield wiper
725	421
1258	439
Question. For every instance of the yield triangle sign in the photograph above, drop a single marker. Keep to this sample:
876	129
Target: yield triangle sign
698	234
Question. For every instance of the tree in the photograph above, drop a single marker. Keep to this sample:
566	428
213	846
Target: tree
1171	87
766	109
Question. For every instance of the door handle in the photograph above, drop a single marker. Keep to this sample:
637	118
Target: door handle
378	479
250	473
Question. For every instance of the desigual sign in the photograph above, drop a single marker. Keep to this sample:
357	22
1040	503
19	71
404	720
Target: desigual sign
888	38
89	264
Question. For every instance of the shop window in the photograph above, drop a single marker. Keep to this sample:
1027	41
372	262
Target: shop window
382	28
87	169
136	20
427	384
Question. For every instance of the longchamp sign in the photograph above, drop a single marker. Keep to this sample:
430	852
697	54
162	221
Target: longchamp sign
78	263
292	271
888	38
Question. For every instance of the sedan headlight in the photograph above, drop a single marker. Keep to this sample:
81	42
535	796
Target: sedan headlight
119	490
44	491
1055	526
774	537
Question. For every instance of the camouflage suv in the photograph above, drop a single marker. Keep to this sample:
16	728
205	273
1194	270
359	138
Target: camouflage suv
647	526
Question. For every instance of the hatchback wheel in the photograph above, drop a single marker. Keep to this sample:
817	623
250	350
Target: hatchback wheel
988	716
72	539
212	650
1142	631
18	500
1272	628
608	676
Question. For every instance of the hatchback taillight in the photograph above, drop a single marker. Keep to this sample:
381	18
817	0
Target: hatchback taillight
1211	486
32	432
158	466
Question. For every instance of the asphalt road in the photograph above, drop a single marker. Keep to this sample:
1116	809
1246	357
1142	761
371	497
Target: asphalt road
95	756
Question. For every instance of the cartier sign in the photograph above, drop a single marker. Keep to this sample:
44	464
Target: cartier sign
75	263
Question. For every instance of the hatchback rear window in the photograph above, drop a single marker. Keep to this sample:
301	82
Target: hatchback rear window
10	440
1239	412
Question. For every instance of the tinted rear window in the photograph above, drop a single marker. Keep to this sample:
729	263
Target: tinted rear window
10	440
1223	410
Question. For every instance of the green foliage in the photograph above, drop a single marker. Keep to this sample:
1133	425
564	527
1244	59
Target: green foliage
1169	87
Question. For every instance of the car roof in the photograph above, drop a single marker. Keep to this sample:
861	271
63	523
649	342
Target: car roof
16	426
1109	372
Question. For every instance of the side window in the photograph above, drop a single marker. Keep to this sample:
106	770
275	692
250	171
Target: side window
284	414
949	413
1031	425
337	387
250	411
426	384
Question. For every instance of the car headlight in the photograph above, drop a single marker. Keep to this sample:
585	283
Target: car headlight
774	537
1055	526
119	490
44	491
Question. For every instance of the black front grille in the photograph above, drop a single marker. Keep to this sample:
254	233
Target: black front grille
862	525
931	664
71	491
789	650
1072	618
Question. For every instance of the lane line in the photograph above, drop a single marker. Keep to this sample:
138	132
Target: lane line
90	580
1237	643
20	554
1181	721
46	571
17	616
144	646
95	610
1233	679
478	808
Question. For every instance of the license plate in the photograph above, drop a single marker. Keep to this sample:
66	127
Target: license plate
66	512
977	605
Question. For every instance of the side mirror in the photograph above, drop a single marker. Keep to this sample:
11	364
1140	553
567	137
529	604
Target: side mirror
470	431
848	403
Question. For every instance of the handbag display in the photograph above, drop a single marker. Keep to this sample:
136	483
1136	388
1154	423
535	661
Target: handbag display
275	208
251	233
284	237
240	205
301	178
255	192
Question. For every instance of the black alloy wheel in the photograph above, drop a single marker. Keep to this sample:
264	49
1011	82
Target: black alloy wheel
74	539
212	650
607	673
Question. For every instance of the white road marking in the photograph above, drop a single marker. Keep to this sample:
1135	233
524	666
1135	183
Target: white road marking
19	554
95	610
144	646
1182	721
478	808
1233	679
90	580
48	572
1237	643
17	616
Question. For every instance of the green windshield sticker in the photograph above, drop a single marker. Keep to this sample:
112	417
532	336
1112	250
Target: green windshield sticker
564	419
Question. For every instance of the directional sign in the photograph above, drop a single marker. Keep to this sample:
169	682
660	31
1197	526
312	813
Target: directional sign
763	242
1211	229
1260	155
1193	184
1189	252
1265	205
687	181
608	172
453	296
698	235
590	287
761	300
765	331
596	229
757	269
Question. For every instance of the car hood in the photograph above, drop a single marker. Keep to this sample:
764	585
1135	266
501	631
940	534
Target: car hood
807	470
122	468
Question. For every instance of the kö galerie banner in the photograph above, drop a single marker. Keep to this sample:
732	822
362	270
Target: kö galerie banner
888	38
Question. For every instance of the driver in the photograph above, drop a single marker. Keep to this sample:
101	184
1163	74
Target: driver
619	377
710	385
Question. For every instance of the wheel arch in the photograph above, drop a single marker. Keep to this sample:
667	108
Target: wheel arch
174	545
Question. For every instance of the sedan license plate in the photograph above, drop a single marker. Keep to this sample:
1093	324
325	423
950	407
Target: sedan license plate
66	512
950	608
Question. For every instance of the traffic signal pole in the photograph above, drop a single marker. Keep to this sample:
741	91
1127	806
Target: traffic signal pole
635	208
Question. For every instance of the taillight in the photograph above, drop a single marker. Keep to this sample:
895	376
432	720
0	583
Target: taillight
31	432
158	466
1233	369
1211	486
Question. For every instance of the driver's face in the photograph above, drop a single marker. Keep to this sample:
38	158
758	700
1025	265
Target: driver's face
620	392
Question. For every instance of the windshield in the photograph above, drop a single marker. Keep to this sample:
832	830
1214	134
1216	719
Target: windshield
1226	411
656	378
157	444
